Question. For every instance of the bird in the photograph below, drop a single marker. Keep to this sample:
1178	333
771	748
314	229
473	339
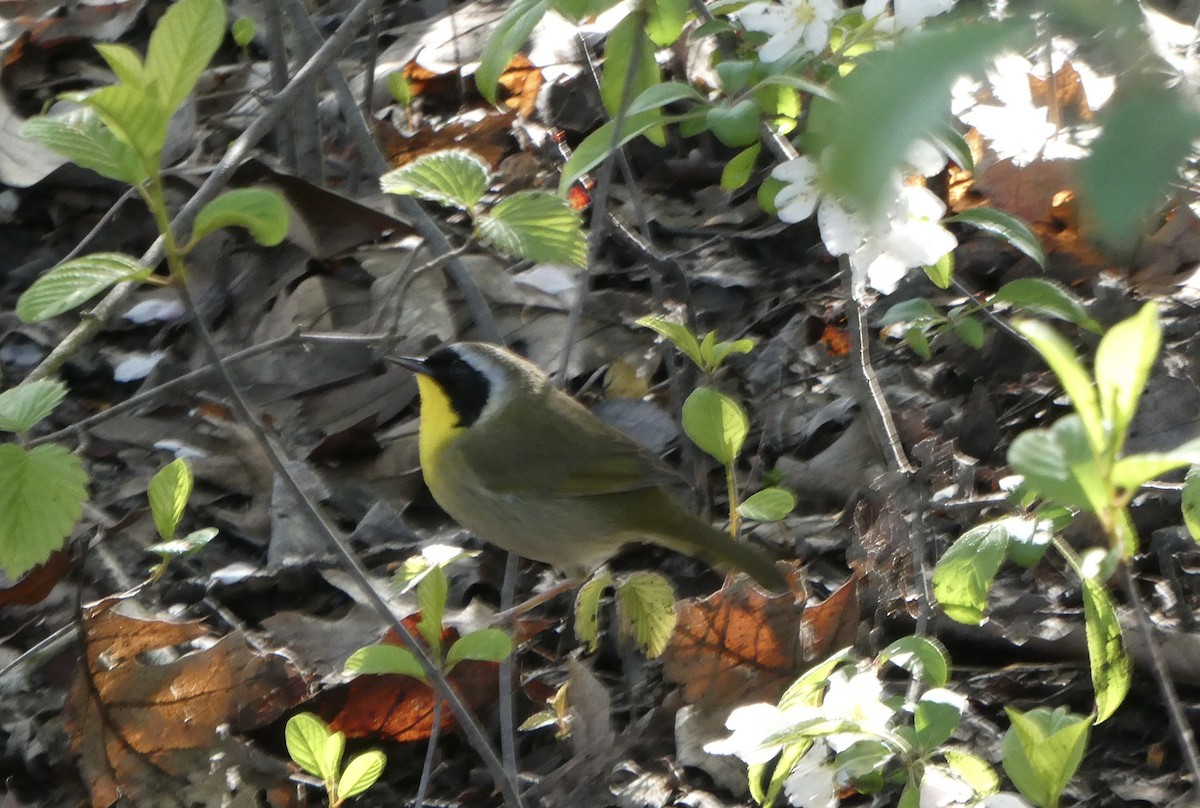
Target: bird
526	467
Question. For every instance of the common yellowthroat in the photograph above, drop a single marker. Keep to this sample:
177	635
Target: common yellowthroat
527	468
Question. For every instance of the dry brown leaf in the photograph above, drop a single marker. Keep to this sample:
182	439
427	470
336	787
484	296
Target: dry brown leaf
740	645
146	731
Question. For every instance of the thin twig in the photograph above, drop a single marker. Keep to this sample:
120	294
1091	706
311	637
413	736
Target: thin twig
427	768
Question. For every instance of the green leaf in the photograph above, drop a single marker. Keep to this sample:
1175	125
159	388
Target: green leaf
587	609
1191	502
679	335
536	225
662	94
510	34
666	19
385	659
169	492
1029	538
1133	471
918	341
181	46
1006	227
26	404
970	331
965	573
936	717
768	505
716	423
81	136
135	116
1123	362
1046	297
615	85
738	170
646	609
75	282
917	311
942	272
329	756
952	143
484	645
244	30
577	10
1058	464
399	87
974	771
305	736
794	83
722	350
923	657
42	491
735	126
262	212
1076	382
1112	670
788	758
431	597
456	178
1146	133
125	62
361	773
189	544
893	97
596	146
1042	751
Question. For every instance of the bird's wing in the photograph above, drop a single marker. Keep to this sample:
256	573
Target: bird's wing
575	454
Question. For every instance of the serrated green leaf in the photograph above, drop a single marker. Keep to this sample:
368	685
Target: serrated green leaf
738	170
879	116
81	136
361	773
483	645
924	657
1046	297
679	335
305	736
768	505
181	46
942	272
616	86
1123	362
1146	133
1007	228
75	282
169	492
26	404
1112	670
262	212
716	423
124	61
385	659
964	575
243	29
646	609
457	178
1191	502
536	225
1076	381
42	491
511	32
136	116
587	609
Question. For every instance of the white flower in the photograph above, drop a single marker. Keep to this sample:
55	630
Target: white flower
797	200
909	13
812	782
941	789
790	23
858	700
751	726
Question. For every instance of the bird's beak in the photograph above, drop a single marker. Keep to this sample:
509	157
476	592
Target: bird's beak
413	363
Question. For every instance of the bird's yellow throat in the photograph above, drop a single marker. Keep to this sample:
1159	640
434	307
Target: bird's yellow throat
439	421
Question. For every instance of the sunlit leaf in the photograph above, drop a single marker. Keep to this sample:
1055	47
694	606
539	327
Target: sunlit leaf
646	610
81	136
510	34
484	645
716	423
361	773
26	404
536	225
169	491
384	658
262	212
75	282
1006	227
1046	297
181	46
305	736
456	178
964	575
